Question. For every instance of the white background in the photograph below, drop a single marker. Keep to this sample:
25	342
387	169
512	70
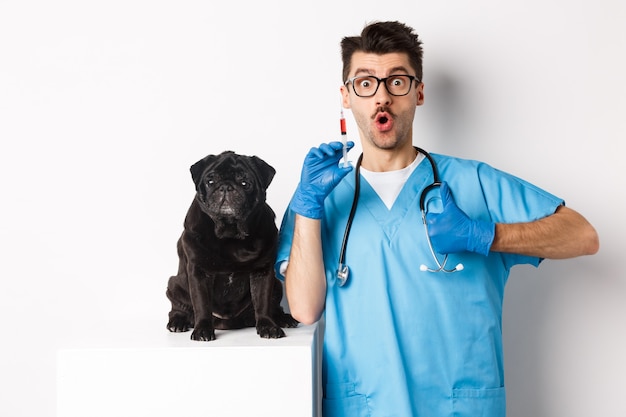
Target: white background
105	105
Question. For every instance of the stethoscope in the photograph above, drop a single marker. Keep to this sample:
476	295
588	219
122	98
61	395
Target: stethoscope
342	269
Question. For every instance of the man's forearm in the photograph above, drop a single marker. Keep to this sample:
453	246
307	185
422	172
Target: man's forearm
564	234
305	280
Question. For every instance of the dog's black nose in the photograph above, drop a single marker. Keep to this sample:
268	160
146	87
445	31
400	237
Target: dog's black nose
226	187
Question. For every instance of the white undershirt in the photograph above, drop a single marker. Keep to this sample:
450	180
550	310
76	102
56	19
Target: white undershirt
389	184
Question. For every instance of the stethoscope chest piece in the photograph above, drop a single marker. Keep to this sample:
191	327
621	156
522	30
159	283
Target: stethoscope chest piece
342	274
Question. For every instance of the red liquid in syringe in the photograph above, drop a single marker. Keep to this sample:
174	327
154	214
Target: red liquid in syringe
344	139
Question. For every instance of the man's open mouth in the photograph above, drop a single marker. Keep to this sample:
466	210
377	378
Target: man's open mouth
383	121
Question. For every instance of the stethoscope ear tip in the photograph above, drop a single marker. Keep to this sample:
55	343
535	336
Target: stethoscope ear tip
457	268
342	274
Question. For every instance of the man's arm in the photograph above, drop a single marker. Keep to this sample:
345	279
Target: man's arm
305	281
564	234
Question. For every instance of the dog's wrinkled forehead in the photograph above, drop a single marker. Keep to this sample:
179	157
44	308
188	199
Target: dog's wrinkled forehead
229	163
228	166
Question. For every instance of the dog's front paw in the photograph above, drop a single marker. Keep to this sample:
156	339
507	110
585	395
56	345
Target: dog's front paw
203	333
179	324
267	329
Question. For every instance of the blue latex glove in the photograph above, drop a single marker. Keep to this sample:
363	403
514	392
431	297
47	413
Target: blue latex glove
320	174
451	231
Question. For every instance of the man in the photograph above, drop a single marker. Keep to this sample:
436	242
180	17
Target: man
402	339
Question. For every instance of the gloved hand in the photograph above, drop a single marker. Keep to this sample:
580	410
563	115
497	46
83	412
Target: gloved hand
320	174
451	231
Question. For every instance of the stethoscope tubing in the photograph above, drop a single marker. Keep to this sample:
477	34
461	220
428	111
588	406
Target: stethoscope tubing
343	270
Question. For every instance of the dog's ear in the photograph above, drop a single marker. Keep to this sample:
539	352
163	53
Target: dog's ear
198	168
266	171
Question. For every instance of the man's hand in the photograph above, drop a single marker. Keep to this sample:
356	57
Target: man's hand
320	175
451	231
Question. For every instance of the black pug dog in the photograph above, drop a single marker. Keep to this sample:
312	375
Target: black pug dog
227	251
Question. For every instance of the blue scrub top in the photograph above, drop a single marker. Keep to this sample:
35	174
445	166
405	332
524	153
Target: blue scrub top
404	342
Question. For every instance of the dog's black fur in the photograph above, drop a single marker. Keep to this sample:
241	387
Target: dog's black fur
227	251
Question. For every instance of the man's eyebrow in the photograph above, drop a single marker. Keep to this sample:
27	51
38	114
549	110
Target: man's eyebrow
400	68
368	71
363	71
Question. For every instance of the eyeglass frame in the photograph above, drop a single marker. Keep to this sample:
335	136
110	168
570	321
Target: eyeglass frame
384	80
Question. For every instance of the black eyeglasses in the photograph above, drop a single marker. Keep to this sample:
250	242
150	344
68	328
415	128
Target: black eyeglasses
396	85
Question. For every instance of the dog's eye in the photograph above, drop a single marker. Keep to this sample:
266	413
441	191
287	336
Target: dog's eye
244	183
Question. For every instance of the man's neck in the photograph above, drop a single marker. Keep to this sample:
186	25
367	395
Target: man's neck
383	160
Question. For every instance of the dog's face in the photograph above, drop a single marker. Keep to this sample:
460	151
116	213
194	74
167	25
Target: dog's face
229	187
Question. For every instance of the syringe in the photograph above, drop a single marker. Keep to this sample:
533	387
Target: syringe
344	139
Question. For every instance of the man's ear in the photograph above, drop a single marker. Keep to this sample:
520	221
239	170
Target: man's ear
345	96
419	90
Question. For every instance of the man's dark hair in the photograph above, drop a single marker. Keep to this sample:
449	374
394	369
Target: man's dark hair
382	38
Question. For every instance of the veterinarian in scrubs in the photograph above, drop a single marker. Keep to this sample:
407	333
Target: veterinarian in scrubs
401	340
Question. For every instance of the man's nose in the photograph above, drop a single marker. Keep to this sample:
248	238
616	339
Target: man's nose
382	96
